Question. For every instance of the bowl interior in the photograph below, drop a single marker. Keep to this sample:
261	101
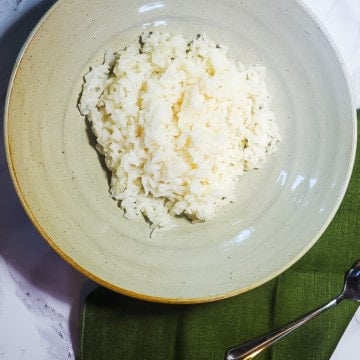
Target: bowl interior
281	210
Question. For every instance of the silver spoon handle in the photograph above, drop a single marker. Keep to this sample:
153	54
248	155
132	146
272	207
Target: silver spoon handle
252	348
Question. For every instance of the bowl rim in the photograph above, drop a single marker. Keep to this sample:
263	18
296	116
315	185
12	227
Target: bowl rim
168	300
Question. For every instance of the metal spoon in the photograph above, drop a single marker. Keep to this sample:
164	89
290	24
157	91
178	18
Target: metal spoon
249	350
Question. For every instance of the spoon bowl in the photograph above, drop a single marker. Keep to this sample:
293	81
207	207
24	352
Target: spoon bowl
351	290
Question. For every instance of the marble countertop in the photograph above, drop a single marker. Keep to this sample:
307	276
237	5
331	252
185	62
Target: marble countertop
40	294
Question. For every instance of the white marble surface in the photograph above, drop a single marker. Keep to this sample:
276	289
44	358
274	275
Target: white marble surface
348	347
40	294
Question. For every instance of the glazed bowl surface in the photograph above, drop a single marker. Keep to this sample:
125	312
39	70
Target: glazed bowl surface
281	209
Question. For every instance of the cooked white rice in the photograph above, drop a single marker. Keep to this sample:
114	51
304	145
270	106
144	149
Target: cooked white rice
178	122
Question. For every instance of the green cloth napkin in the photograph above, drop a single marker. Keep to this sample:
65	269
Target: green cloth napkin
121	328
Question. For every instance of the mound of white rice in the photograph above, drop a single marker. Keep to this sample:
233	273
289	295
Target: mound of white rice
178	122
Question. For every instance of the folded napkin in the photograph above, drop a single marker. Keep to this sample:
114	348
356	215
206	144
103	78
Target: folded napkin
118	327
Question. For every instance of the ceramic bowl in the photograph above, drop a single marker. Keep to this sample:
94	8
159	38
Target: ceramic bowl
281	209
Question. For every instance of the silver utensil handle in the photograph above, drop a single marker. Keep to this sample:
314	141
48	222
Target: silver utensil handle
252	348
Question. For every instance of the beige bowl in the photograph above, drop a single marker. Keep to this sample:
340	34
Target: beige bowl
281	210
